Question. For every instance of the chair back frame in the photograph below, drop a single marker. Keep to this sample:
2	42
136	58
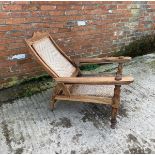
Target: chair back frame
38	36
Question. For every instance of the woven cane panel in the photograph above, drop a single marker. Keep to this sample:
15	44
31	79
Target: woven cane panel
53	58
93	90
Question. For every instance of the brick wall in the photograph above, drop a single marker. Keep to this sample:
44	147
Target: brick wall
79	28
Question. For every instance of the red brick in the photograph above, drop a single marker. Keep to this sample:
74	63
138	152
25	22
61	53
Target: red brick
11	7
152	6
43	2
56	13
20	2
41	25
151	2
4	14
76	7
63	7
5	2
2	21
127	2
15	20
71	12
16	33
32	19
30	7
16	45
97	11
3	47
19	14
57	25
6	27
89	7
48	7
2	34
7	63
24	26
121	6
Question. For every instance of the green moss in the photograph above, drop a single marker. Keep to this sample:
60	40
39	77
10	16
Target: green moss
35	79
142	46
36	85
89	67
13	81
152	64
97	5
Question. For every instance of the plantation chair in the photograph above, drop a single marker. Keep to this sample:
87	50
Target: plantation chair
70	83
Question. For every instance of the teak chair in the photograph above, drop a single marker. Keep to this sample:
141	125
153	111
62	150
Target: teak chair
71	84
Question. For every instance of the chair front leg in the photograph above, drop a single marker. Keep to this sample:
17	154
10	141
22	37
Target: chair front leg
115	105
56	90
53	101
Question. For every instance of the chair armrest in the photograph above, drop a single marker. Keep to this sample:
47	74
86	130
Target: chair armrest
95	80
120	59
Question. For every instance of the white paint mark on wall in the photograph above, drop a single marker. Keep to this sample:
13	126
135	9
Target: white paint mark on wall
17	57
118	33
81	23
115	33
110	11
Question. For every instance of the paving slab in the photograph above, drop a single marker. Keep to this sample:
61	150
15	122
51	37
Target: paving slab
27	125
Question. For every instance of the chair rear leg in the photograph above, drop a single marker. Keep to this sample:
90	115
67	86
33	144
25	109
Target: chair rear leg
52	105
115	105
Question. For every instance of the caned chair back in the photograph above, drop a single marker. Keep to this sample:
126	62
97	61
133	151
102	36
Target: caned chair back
50	55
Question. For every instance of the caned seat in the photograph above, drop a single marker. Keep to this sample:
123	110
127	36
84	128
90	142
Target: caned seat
70	84
93	90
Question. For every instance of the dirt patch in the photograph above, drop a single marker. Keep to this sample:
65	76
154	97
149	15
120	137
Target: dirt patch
89	151
98	114
73	152
6	133
76	137
64	122
152	140
138	150
136	147
19	151
26	88
132	138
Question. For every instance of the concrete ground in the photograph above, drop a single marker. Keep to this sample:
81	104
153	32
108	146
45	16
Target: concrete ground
28	126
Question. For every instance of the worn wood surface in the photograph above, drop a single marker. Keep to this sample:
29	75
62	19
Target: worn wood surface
82	98
119	72
95	80
79	61
115	105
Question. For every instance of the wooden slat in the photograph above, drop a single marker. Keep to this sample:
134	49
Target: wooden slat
102	60
92	99
95	80
97	74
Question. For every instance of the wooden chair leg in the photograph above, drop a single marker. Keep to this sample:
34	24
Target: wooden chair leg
115	105
113	117
52	105
56	90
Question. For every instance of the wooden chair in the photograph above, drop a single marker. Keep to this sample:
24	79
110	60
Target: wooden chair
70	83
